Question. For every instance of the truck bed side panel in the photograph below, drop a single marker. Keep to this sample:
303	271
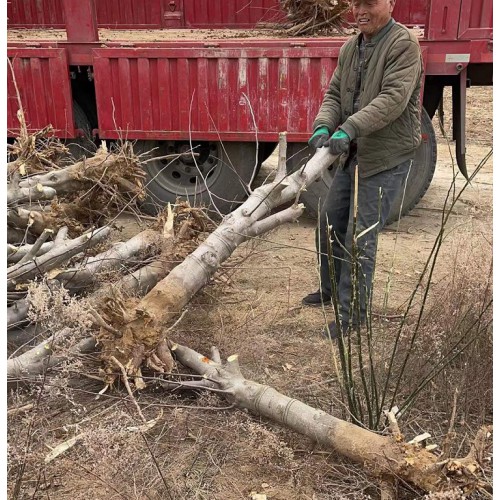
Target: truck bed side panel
162	93
42	78
229	13
476	19
129	13
35	14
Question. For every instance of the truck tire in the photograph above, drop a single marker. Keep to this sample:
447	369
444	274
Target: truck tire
420	177
81	146
421	173
218	179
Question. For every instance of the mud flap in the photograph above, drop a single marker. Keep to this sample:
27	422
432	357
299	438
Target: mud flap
459	96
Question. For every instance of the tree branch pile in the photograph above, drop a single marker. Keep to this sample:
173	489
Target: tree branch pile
85	191
64	246
35	153
312	17
133	333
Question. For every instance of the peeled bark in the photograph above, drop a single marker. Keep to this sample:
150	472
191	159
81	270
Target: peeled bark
381	456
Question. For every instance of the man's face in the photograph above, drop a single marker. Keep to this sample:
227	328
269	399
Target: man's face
371	15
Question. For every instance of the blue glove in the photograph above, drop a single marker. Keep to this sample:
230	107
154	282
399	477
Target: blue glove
319	138
339	143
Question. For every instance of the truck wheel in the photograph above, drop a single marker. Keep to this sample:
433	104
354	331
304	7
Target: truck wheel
217	179
81	146
420	177
266	149
421	173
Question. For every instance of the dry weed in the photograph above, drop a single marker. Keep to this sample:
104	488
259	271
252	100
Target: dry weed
55	308
459	313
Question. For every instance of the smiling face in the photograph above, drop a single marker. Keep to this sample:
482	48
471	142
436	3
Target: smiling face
372	15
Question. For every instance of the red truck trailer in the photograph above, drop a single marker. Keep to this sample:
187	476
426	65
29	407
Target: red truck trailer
183	74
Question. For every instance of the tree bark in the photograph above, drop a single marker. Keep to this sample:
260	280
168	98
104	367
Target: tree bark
34	220
18	236
17	313
15	254
16	194
38	359
34	361
102	167
19	336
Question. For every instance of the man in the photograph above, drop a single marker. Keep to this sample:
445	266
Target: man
370	115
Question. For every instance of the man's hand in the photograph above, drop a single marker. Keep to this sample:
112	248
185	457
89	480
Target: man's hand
319	138
339	143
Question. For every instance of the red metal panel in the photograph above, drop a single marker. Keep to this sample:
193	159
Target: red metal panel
35	13
476	19
165	93
412	12
230	13
443	20
42	77
129	13
81	25
110	13
196	13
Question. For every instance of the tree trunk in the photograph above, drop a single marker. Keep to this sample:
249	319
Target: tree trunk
163	304
115	257
379	455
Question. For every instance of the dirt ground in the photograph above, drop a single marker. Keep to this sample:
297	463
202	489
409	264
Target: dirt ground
200	447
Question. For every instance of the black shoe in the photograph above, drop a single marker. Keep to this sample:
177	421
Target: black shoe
332	332
315	299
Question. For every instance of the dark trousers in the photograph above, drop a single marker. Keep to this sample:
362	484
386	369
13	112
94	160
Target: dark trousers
376	195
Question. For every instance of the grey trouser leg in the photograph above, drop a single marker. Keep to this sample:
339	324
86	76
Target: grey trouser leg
337	212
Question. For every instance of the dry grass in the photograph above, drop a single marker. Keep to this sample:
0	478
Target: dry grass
455	312
206	450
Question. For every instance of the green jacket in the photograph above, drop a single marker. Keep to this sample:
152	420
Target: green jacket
387	124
